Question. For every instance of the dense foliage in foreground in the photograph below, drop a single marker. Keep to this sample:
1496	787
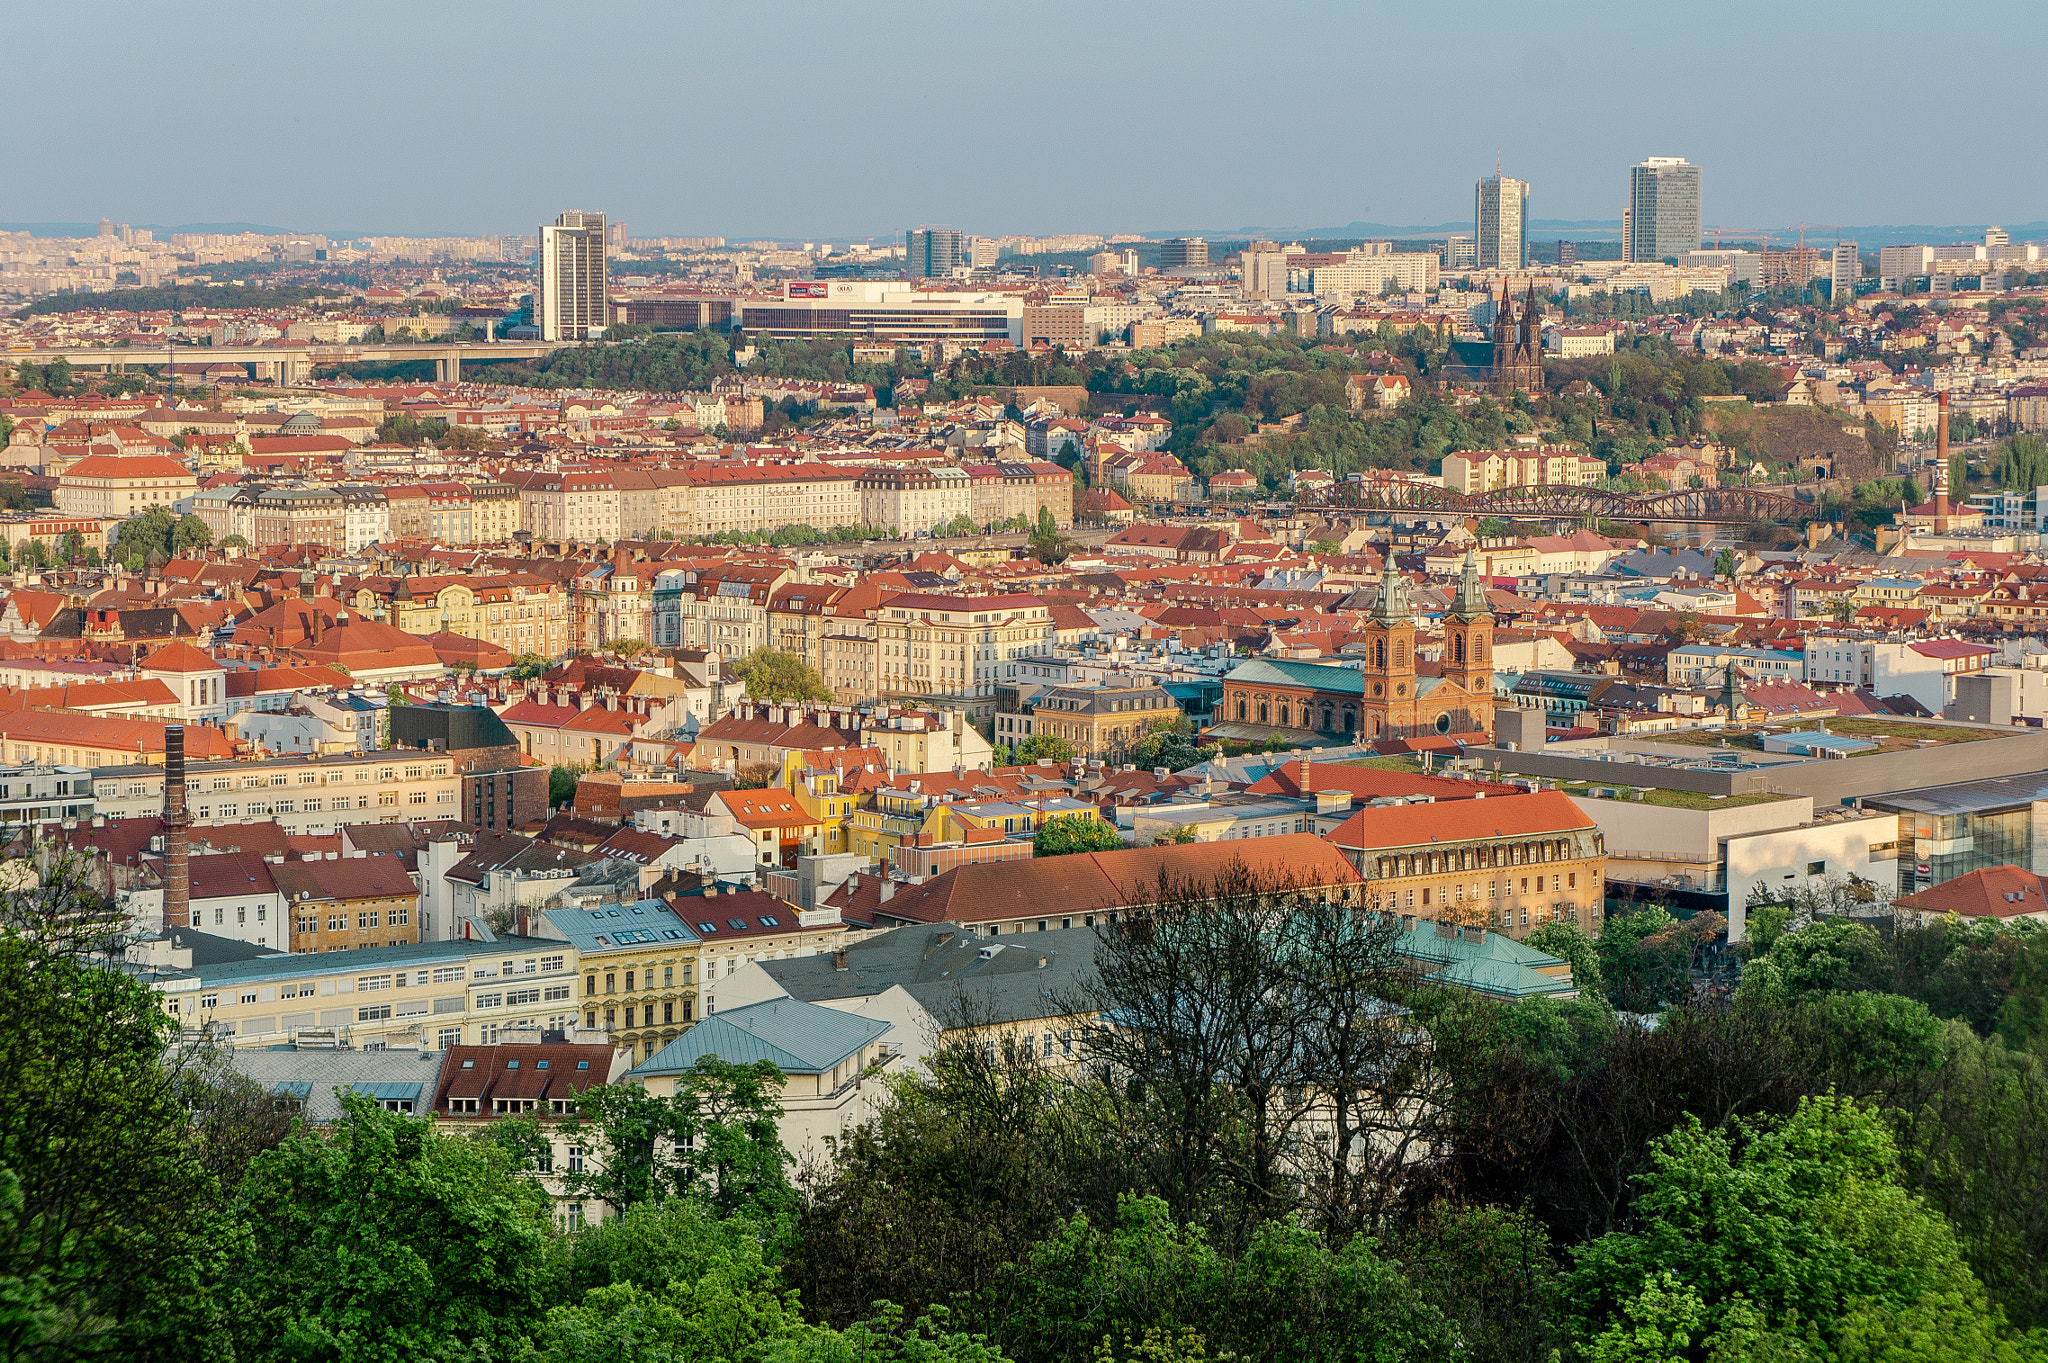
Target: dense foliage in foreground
1845	1159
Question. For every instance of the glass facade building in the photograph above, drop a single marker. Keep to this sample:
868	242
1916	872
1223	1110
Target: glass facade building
1664	209
1948	831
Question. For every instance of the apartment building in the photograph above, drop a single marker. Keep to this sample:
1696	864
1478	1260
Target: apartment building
429	995
639	966
299	515
1018	490
953	645
723	608
346	903
749	497
1512	863
365	517
913	498
313	795
494	515
580	505
1486	470
117	487
1105	720
518	612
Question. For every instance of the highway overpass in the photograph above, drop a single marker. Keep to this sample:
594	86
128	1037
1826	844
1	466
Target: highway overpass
295	362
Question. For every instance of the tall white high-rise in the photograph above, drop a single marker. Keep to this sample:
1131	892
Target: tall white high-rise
569	299
1664	209
1500	220
1847	269
933	252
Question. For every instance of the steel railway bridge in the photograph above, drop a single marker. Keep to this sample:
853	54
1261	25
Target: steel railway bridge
1556	501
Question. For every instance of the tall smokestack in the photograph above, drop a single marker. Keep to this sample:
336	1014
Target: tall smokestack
1941	464
177	866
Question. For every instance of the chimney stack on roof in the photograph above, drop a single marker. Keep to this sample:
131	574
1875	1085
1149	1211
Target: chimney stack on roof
1941	463
177	852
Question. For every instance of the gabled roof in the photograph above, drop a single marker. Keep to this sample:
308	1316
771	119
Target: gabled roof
1094	882
1995	892
1507	816
795	1037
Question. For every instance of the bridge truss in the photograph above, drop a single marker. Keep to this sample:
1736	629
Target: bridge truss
1556	501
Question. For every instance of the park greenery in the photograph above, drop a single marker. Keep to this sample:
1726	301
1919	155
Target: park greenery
1272	405
177	297
157	536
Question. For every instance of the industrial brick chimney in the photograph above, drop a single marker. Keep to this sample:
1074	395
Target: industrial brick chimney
1941	464
177	866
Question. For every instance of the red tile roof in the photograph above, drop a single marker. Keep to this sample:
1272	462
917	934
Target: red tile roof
1508	816
1997	892
1087	882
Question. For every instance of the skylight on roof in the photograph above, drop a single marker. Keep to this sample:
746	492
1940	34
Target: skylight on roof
736	924
707	927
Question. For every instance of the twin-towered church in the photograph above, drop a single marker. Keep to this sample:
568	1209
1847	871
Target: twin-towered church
1385	698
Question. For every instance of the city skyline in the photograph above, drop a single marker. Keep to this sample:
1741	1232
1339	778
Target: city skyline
661	152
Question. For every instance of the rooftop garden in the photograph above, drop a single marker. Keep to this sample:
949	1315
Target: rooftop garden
1673	799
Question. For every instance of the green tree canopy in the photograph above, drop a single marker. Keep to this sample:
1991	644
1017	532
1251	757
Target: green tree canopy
389	1239
1043	747
771	674
1066	833
1767	1234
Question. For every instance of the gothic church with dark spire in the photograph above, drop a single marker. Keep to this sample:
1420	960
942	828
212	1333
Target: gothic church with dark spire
1518	345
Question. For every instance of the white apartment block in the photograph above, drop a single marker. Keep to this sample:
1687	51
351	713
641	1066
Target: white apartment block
307	795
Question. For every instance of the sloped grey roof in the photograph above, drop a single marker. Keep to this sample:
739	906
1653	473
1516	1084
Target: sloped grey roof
956	976
794	1036
314	1076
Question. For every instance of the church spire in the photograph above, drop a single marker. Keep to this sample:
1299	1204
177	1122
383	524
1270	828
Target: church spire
1470	602
1392	606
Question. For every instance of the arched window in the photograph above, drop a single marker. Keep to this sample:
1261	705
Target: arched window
1264	716
1350	720
1240	707
1283	716
1379	653
1457	648
1327	722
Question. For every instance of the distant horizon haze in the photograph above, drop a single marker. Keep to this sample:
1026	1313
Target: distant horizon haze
463	118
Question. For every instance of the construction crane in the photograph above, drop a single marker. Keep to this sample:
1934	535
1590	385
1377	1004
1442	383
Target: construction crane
1763	234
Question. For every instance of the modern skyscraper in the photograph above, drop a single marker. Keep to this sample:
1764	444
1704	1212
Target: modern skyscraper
1848	268
1664	209
933	252
1460	252
1500	221
1179	253
569	302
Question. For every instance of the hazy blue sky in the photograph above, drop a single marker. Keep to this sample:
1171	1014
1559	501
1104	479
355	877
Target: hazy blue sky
831	120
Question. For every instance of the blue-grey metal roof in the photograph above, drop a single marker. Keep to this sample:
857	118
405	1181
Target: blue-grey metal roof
795	1037
316	1077
1282	672
646	922
295	964
1967	797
